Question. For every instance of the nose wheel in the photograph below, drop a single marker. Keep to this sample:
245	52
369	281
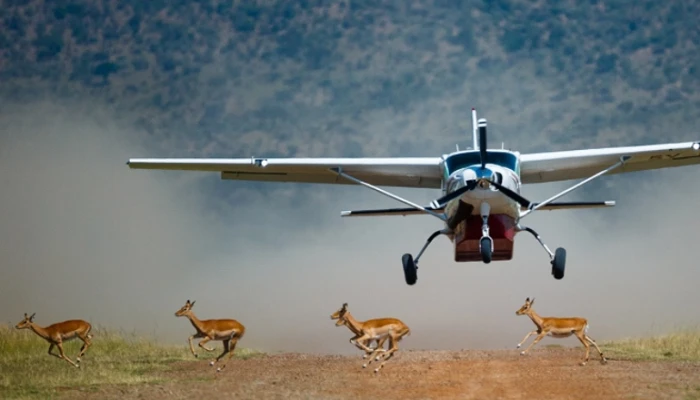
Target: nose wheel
486	249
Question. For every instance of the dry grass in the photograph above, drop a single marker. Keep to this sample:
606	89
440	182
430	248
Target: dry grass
682	345
114	358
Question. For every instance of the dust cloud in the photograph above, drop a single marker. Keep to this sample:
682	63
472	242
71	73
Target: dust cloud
82	236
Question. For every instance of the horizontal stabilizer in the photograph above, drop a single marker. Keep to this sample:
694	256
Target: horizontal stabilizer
388	212
565	205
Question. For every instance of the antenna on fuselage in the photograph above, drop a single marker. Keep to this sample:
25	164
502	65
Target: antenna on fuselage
482	141
475	136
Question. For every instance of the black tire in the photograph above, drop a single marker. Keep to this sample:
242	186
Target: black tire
410	270
559	263
485	248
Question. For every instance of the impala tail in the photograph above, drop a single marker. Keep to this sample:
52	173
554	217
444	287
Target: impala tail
241	333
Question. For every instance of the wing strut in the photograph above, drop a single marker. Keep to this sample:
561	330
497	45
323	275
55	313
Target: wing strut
534	207
339	171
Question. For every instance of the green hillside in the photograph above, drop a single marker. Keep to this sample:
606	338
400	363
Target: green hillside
381	77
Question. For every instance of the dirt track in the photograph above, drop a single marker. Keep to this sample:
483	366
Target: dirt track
498	374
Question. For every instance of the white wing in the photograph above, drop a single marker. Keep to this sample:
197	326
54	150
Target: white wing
414	172
577	164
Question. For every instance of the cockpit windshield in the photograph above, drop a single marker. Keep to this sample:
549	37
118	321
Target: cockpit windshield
464	159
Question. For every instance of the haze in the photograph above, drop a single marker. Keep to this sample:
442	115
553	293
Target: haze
82	236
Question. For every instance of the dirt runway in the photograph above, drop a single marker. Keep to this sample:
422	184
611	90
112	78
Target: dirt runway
498	374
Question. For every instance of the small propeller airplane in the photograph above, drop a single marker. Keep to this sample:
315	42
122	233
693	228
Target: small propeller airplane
481	206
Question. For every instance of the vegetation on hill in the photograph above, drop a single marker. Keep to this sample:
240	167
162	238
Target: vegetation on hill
360	77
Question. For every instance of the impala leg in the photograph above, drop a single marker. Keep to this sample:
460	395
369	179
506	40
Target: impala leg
359	342
534	342
223	353
365	354
374	356
377	345
389	355
51	353
231	345
602	357
581	336
192	345
63	354
380	345
201	344
353	341
83	349
394	343
526	337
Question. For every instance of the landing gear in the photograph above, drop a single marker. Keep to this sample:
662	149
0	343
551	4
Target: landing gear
557	259
559	263
410	269
486	243
486	249
410	266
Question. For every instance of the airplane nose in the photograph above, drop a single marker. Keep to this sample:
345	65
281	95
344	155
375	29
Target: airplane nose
484	173
478	174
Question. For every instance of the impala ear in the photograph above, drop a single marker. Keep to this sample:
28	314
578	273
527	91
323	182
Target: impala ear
345	305
527	300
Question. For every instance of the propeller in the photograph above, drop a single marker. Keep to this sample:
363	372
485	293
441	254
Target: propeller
439	203
515	196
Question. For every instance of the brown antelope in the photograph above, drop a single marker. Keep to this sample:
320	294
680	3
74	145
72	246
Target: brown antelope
558	328
378	329
229	331
60	332
379	342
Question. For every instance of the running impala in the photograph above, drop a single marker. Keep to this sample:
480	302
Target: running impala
379	342
229	331
60	332
378	329
558	328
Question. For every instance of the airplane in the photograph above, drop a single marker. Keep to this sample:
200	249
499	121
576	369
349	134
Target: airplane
481	207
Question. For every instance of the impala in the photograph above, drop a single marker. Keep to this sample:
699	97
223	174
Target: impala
378	329
558	328
60	332
229	331
379	342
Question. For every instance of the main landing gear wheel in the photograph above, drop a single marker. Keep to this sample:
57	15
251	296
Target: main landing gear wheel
410	269
559	263
485	248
